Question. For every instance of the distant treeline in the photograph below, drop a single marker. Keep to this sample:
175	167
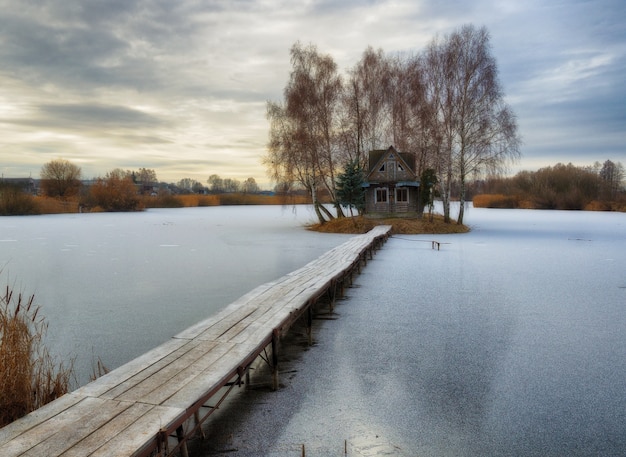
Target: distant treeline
15	202
61	190
599	187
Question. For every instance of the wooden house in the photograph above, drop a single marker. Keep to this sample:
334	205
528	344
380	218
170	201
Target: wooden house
391	183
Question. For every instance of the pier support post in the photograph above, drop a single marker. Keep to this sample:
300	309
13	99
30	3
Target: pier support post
180	435
275	337
196	418
309	324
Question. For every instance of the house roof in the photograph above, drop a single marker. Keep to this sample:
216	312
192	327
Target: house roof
378	156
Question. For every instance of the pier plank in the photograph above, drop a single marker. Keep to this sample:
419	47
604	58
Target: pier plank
102	435
37	417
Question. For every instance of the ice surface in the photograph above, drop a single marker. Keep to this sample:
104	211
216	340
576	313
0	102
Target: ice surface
114	285
510	340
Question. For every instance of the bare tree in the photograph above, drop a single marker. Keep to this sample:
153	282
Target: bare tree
439	116
366	108
250	186
60	178
611	175
303	145
231	185
216	184
289	159
485	127
190	185
473	129
147	176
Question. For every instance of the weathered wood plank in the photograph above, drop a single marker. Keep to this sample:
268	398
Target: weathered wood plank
158	388
70	432
37	417
117	376
185	354
32	437
218	373
141	434
102	435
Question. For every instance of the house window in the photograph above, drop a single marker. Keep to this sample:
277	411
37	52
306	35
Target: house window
382	168
381	195
402	195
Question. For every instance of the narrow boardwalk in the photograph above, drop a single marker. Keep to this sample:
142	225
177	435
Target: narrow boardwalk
153	404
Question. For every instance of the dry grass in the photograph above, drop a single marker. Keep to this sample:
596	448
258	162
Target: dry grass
49	205
406	226
29	376
496	201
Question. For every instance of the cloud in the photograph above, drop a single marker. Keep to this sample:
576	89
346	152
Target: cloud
169	84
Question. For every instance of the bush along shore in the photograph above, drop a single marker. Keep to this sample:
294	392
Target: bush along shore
16	203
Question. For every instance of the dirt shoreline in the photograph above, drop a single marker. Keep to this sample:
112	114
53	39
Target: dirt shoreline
400	225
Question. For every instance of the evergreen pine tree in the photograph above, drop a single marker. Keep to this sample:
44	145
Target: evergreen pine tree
350	191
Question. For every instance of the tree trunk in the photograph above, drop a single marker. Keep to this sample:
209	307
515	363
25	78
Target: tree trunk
445	199
316	204
459	220
325	211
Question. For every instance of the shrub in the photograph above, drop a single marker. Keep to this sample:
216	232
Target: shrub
29	376
15	202
596	205
115	192
167	201
495	201
48	205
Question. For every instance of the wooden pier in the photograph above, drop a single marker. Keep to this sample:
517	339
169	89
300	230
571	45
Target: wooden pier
152	405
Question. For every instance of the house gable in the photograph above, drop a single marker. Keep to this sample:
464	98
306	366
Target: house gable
390	166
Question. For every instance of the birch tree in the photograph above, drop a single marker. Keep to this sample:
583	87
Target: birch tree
303	145
473	129
484	127
366	105
439	110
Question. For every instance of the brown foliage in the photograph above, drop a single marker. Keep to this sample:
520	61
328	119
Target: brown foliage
49	205
15	202
29	376
496	201
193	200
115	192
566	187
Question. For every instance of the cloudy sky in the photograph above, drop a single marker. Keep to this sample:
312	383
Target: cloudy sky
181	86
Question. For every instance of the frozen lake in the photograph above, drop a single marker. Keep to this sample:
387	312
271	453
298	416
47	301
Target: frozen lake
511	340
115	285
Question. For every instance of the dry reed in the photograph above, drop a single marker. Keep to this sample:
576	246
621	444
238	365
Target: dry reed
29	376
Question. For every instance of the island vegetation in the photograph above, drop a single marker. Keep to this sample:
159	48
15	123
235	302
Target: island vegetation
444	105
